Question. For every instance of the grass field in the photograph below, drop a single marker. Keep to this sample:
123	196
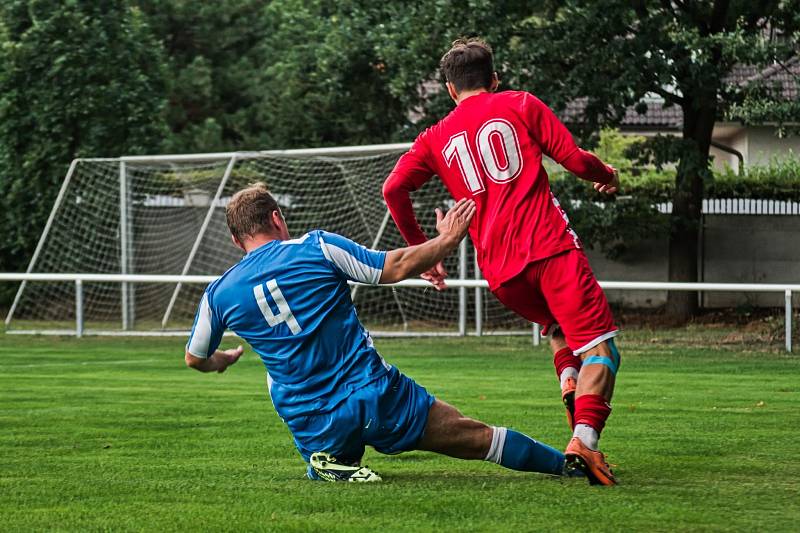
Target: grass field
115	434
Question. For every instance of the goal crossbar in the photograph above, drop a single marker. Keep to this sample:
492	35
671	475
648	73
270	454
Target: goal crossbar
363	150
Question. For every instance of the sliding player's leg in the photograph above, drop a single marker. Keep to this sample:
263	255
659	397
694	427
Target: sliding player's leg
580	306
450	433
406	417
522	295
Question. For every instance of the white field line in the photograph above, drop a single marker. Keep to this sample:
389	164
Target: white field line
87	363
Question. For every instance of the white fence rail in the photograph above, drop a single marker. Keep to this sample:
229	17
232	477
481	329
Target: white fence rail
463	284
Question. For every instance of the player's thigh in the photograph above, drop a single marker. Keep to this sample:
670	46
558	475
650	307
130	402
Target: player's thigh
451	433
522	295
396	413
576	300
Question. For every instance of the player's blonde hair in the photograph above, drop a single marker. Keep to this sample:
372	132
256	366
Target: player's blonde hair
250	211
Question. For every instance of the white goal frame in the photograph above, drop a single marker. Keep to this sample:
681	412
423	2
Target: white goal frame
125	279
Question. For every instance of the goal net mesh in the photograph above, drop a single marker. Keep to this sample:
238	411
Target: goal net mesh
169	218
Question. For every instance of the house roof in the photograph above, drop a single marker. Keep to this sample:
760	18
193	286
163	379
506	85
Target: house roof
784	77
657	115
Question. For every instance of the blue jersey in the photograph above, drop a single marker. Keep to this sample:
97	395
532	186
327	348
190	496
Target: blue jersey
291	302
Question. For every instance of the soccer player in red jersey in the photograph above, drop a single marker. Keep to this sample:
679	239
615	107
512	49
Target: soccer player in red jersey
490	149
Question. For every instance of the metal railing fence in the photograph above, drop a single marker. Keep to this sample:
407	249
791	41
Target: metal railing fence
462	284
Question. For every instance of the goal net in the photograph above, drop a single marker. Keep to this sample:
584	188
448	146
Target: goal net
166	215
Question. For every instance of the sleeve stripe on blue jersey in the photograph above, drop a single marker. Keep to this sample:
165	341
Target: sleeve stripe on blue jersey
348	264
201	334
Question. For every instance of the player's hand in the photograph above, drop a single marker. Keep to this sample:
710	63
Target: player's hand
436	276
611	187
229	357
455	223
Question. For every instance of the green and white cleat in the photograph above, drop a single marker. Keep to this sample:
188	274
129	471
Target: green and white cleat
329	469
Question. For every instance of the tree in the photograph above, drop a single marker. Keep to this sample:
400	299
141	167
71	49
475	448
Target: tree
245	74
617	51
77	78
324	81
213	64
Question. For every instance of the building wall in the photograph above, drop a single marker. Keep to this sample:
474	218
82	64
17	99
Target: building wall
738	140
762	144
757	144
737	249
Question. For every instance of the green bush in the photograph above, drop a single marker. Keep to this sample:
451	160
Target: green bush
777	180
615	223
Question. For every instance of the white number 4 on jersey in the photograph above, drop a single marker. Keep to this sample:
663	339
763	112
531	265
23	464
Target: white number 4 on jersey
284	312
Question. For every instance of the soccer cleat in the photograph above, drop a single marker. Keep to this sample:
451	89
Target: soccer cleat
328	468
570	470
568	397
312	474
591	462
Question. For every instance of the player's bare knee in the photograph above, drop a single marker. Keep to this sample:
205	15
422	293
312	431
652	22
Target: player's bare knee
557	340
557	344
604	353
484	441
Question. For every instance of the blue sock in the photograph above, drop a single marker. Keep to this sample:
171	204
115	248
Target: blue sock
516	451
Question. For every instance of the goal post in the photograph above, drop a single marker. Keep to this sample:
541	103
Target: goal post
164	215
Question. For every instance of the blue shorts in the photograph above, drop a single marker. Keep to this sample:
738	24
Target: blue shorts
389	414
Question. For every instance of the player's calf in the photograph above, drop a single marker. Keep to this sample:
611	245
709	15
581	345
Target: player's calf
594	390
567	366
450	433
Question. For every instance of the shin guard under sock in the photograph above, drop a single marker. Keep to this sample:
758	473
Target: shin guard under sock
516	451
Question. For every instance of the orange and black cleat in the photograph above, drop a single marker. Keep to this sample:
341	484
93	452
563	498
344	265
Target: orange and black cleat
568	397
591	462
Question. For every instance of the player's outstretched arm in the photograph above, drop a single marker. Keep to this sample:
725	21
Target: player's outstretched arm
219	361
589	167
414	260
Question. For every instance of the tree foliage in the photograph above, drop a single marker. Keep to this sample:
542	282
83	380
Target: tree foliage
213	60
106	77
77	78
616	52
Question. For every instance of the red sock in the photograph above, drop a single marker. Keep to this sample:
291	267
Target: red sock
592	410
563	359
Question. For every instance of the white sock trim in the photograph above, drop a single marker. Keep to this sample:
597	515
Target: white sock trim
587	434
495	454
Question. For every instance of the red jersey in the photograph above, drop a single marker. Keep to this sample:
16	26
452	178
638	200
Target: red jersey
490	148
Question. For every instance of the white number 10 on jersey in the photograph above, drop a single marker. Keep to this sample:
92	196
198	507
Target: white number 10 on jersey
284	312
500	169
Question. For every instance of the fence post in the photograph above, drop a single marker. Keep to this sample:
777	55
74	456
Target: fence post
78	308
125	241
478	301
462	291
788	298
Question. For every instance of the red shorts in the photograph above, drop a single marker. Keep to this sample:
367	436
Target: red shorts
562	290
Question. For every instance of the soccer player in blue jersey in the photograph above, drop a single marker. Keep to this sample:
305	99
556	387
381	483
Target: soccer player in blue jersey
289	299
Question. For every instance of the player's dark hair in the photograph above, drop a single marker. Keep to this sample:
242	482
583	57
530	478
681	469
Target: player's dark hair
468	64
250	211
